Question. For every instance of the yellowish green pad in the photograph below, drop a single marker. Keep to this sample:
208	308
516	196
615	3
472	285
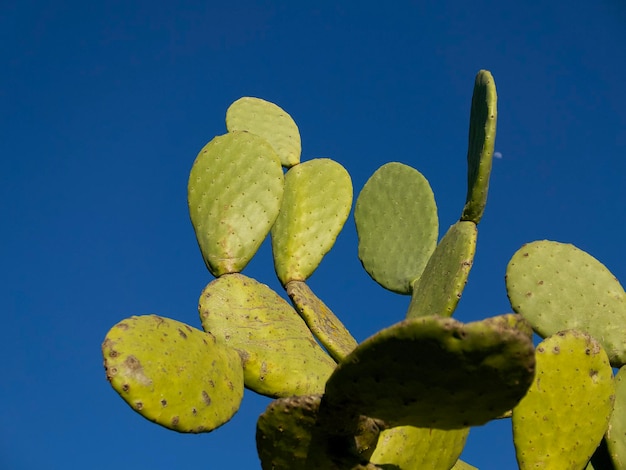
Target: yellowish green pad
557	286
397	224
316	204
269	121
616	434
411	448
434	372
482	138
439	288
322	322
234	193
280	355
562	418
173	374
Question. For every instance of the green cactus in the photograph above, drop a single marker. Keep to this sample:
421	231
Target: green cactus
561	420
406	397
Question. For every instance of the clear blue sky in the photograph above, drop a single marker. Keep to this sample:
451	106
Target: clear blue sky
104	106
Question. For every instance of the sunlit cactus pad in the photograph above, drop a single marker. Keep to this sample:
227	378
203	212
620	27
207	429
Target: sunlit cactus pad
411	448
482	138
269	121
316	202
234	193
557	286
434	372
562	418
439	288
616	434
397	224
280	355
173	374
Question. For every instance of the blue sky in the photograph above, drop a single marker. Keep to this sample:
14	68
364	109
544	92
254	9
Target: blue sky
104	106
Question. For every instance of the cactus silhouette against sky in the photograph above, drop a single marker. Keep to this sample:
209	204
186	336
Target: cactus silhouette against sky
406	397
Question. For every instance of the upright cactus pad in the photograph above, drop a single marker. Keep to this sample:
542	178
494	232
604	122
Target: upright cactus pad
280	355
434	372
234	193
397	224
562	418
173	374
411	448
557	286
482	138
269	121
316	203
616	433
439	288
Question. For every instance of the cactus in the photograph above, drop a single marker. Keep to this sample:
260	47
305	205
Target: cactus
406	397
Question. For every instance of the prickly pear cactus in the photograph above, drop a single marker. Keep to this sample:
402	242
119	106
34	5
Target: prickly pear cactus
406	397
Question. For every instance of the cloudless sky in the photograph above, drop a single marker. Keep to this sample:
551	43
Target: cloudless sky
104	105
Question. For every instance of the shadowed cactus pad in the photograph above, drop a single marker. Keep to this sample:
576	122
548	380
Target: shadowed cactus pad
616	434
316	203
562	418
396	220
439	288
411	448
557	286
234	193
434	372
482	138
280	355
173	374
269	121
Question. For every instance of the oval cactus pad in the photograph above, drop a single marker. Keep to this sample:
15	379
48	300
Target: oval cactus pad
411	448
439	288
316	203
616	434
269	121
397	224
173	374
434	372
281	356
562	418
557	286
482	138
234	193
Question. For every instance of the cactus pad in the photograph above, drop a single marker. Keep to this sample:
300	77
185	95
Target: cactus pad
269	121
234	193
316	203
280	355
397	225
616	434
482	138
411	448
322	322
173	374
562	418
434	372
557	286
439	288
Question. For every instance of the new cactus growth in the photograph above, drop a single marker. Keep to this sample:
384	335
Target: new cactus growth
406	397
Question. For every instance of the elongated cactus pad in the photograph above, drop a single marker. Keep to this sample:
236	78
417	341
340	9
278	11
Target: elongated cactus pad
269	121
411	448
173	374
280	355
316	203
616	434
234	193
562	418
397	224
482	138
439	288
322	322
557	286
434	372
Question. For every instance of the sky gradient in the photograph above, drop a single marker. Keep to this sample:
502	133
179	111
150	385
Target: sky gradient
105	105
